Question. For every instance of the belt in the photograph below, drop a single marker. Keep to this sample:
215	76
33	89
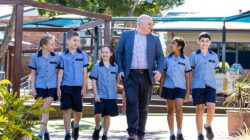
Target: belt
139	70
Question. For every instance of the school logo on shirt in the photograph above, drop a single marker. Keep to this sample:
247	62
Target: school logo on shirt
181	63
79	59
53	62
212	61
113	72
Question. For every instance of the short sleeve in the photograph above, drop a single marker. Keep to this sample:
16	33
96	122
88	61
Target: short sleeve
187	66
61	63
192	61
94	72
85	59
32	63
165	64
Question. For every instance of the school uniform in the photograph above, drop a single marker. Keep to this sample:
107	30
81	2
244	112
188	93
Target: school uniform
46	74
72	81
203	80
174	85
106	88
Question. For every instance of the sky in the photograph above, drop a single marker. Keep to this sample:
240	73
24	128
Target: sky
213	7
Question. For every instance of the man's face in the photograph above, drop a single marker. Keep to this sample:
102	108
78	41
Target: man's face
146	25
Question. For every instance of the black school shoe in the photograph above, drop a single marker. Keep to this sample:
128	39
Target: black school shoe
75	131
180	137
67	137
96	134
200	137
209	132
172	137
104	137
46	136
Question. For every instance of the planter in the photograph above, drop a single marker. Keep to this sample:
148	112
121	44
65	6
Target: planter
236	120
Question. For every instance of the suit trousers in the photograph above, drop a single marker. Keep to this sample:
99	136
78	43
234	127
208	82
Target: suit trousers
138	91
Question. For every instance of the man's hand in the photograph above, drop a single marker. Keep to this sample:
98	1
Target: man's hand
120	76
157	76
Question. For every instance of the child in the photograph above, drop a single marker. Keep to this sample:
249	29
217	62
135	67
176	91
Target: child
103	75
204	63
176	84
72	83
44	66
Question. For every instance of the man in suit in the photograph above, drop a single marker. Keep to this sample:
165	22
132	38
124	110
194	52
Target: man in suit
139	57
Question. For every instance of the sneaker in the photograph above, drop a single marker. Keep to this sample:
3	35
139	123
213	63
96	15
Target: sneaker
46	136
209	132
200	137
75	131
67	137
180	137
96	133
172	137
104	137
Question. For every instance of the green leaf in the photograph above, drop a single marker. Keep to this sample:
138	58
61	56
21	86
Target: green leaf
4	82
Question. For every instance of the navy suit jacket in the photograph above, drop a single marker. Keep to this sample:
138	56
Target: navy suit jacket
124	52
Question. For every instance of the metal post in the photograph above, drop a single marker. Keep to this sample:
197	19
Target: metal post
223	46
18	48
107	32
96	44
218	50
64	41
236	53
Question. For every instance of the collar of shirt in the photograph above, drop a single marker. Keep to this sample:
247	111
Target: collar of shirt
199	51
77	50
101	64
40	53
137	33
180	56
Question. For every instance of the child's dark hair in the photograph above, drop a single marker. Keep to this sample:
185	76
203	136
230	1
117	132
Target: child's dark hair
180	42
204	35
112	58
72	33
44	40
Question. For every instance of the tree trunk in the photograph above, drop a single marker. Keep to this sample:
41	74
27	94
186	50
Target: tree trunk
8	34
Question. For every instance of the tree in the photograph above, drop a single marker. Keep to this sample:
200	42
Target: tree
7	38
116	7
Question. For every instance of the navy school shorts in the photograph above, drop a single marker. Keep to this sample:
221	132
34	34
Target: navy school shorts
173	93
44	93
203	95
107	107
71	98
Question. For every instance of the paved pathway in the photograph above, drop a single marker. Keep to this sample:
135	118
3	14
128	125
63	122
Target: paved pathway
157	128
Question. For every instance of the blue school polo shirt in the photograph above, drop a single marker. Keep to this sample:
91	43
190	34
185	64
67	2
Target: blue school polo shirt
204	69
72	65
105	79
46	69
176	69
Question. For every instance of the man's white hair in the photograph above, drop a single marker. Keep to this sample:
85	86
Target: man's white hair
142	17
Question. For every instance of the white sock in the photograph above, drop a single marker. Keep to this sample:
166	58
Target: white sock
179	131
171	132
206	125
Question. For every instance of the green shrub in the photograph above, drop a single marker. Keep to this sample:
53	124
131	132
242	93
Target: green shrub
16	118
